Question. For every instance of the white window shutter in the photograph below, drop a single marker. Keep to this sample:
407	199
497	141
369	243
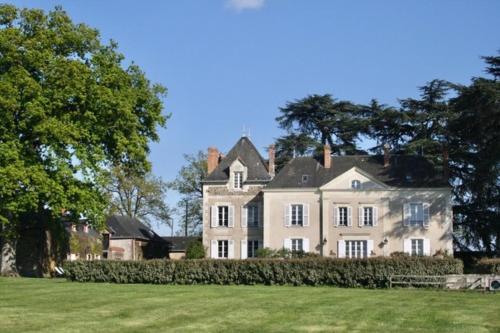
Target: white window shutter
360	216
369	247
305	215
244	216
215	214
341	248
244	249
286	215
230	250
406	214
407	245
287	243
427	218
335	216
349	216
213	249
230	223
305	244
427	247
375	216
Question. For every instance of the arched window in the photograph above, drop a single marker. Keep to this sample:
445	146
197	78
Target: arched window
356	184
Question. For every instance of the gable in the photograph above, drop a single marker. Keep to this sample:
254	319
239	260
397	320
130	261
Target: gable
344	181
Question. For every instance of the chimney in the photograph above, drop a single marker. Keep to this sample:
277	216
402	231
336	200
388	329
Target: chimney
446	167
327	156
272	153
213	159
387	155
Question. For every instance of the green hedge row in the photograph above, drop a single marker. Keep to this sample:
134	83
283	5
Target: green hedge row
488	266
373	272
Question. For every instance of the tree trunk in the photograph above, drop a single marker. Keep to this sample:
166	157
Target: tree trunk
8	258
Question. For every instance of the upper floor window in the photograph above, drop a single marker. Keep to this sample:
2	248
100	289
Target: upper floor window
356	184
253	215
416	213
342	216
223	216
238	180
368	216
297	217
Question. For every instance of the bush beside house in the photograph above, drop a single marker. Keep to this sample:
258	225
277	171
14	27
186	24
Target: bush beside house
372	273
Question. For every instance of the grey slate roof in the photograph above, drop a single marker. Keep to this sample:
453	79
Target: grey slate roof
404	171
179	243
127	227
245	151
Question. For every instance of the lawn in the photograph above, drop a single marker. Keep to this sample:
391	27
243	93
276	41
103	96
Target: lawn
44	305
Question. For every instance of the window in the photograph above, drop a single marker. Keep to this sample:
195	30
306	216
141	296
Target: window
297	215
252	247
417	247
297	244
238	180
368	216
356	249
222	249
253	216
343	216
305	178
416	213
356	184
223	216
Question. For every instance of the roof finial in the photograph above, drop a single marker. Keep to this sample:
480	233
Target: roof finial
243	132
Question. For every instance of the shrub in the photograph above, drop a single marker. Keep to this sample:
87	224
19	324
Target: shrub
195	250
284	253
488	266
373	272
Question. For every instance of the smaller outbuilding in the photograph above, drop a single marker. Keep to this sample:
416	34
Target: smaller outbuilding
177	245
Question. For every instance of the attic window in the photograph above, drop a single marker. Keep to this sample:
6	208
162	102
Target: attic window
408	177
238	179
356	184
305	178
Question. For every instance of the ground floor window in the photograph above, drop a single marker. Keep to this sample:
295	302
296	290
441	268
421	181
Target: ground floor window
252	247
417	247
222	249
297	244
356	249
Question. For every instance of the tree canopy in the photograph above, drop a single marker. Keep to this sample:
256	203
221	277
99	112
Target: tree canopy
70	110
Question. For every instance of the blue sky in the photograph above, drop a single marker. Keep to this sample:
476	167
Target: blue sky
233	63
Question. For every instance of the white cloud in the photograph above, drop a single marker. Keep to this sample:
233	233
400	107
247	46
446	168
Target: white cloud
240	5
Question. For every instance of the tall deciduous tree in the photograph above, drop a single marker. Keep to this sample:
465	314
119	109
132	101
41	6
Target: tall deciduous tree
189	184
138	196
69	109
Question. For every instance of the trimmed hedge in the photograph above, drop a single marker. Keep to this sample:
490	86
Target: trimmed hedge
373	272
488	266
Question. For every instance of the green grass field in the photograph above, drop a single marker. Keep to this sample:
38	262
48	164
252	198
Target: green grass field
43	305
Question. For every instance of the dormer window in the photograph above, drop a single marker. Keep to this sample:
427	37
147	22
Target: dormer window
356	184
238	180
305	178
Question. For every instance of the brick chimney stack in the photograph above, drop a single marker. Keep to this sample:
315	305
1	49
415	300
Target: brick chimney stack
272	153
446	167
213	159
387	155
327	156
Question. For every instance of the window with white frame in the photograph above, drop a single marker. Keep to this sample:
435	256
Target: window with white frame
416	213
297	244
356	184
238	180
367	216
297	217
356	249
417	247
252	247
222	249
253	215
223	216
343	217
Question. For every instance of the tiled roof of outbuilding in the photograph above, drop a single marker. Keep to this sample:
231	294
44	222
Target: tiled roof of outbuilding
245	151
403	171
127	227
